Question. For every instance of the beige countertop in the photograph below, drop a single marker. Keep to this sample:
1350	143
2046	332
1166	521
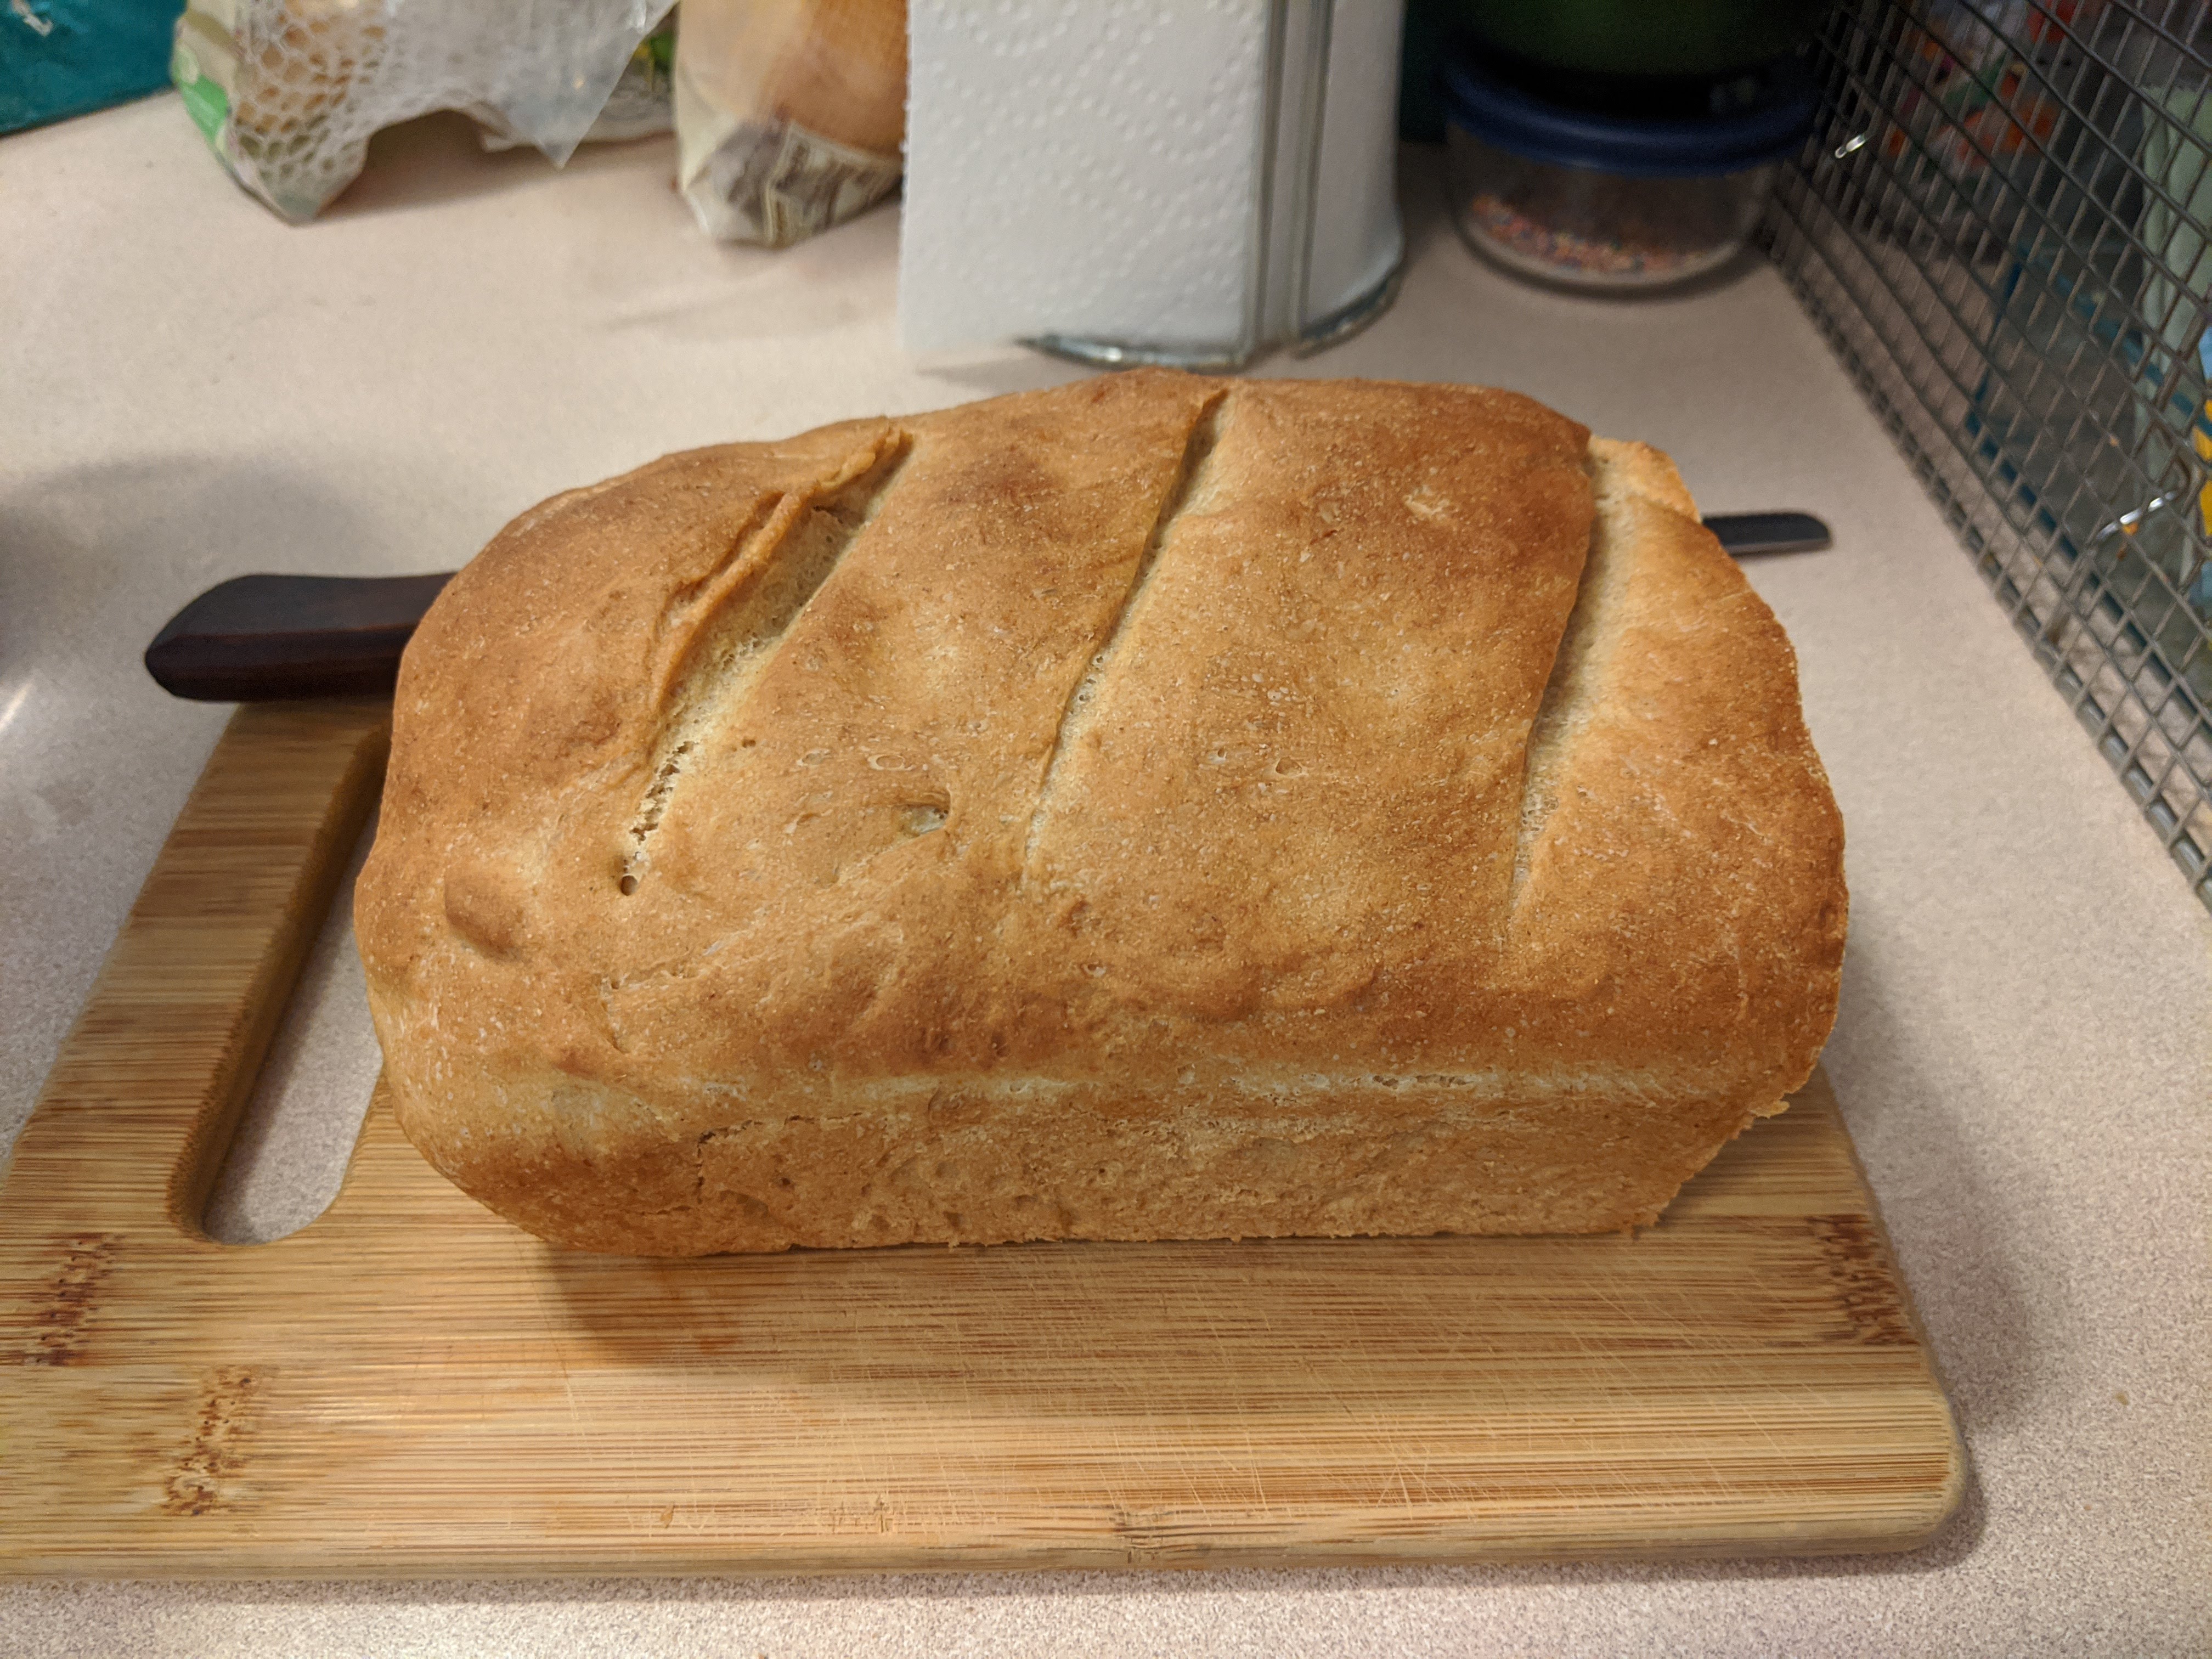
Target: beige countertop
189	389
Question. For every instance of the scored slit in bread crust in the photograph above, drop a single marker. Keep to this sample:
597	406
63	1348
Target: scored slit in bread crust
1157	807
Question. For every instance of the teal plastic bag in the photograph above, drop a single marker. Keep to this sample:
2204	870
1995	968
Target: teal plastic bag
64	58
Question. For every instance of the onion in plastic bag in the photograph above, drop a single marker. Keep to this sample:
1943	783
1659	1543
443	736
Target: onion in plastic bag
790	114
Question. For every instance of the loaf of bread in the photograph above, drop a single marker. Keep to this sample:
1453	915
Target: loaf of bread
1161	808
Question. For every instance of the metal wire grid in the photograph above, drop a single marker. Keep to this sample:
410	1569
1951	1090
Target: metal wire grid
2001	229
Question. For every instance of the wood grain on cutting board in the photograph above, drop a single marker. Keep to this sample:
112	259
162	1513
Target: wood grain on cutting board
410	1386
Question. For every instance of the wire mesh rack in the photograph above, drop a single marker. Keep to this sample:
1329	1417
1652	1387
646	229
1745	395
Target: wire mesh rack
2001	227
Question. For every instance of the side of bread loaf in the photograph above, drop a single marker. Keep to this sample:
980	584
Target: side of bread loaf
1159	807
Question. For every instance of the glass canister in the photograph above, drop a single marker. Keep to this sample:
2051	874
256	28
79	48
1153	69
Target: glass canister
1594	200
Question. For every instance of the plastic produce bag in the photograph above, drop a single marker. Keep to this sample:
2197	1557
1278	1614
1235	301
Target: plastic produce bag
289	91
789	113
644	99
642	104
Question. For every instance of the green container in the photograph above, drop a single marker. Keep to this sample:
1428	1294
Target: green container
1640	37
1604	54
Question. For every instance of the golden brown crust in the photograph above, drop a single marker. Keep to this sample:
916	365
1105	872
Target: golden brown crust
1156	807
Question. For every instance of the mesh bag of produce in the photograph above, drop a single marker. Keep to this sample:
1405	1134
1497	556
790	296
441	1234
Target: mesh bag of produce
287	92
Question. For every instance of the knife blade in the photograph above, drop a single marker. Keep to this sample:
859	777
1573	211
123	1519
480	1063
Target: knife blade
270	638
1744	535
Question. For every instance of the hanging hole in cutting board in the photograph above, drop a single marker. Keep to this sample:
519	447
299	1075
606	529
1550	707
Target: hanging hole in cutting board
297	1131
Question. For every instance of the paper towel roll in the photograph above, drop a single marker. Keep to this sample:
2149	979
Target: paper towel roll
1173	179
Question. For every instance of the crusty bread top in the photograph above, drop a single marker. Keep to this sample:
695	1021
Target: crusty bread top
1155	728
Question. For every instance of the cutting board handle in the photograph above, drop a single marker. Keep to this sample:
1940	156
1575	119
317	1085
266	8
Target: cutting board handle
172	1040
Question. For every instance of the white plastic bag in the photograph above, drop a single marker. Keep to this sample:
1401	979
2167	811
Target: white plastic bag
289	91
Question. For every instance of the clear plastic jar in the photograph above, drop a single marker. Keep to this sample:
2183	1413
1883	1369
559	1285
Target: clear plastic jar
1592	229
1606	202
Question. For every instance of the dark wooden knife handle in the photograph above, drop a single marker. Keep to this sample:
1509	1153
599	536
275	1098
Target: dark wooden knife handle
260	638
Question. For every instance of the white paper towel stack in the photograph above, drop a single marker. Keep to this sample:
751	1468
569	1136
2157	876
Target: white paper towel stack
1173	179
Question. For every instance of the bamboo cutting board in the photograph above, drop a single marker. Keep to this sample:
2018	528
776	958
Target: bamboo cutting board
410	1386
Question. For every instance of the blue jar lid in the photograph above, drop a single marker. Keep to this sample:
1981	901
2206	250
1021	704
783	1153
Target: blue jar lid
1637	147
